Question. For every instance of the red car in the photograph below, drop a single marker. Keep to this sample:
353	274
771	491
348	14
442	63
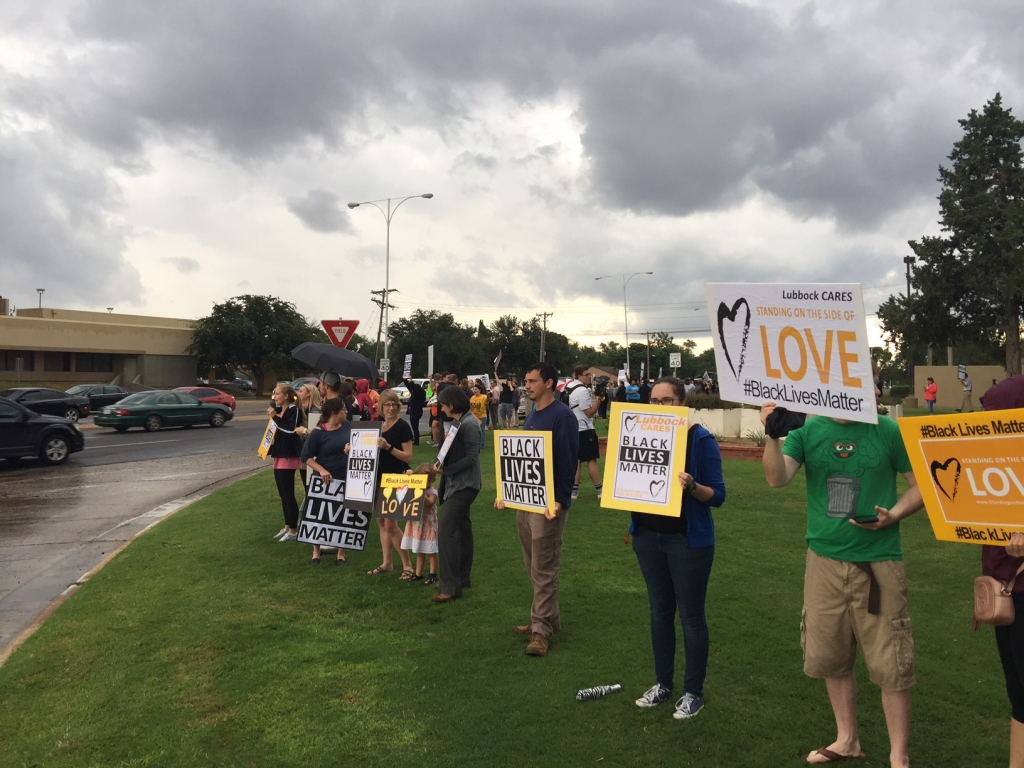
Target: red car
209	395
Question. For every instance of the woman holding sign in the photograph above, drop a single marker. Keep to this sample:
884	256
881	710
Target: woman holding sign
675	556
1004	564
459	468
325	454
285	449
395	446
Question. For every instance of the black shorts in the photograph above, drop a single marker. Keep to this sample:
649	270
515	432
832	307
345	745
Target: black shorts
589	450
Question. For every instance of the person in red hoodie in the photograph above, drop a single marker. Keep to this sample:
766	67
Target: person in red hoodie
1004	564
365	403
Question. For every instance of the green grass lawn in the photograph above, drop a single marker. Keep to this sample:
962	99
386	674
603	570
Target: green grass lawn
208	644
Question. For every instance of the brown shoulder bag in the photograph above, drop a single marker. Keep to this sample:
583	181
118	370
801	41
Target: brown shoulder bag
993	601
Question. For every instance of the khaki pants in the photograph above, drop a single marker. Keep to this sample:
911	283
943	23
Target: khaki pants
541	541
965	404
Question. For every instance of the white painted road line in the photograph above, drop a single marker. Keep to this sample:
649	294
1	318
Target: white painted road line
125	445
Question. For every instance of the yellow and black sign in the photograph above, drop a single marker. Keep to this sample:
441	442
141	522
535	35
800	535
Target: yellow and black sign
970	468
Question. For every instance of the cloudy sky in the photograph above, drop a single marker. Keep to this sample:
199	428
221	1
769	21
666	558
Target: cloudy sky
160	157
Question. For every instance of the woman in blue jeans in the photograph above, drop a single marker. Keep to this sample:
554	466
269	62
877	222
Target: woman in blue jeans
675	556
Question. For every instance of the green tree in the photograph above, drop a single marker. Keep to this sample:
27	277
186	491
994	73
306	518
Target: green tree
970	280
255	333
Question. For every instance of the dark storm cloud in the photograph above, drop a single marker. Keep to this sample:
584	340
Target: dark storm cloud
686	107
57	230
321	211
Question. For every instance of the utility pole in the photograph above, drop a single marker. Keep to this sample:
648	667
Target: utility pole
384	305
649	355
544	332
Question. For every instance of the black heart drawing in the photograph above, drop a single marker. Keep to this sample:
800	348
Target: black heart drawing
724	313
936	466
368	487
656	487
629	422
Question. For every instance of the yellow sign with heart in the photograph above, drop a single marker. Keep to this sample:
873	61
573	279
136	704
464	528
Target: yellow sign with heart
646	453
970	468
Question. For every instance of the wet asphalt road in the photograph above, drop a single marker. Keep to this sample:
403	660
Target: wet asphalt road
57	523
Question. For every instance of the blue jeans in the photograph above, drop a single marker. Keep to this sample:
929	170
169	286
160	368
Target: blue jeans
677	577
483	433
931	406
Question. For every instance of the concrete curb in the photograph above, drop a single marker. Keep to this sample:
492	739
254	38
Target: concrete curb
159	514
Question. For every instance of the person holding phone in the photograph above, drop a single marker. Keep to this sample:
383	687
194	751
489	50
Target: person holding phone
855	584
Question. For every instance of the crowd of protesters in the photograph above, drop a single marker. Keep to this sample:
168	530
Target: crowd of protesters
855	590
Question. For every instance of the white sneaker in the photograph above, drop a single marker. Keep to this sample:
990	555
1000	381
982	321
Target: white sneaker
289	537
280	533
654	696
688	706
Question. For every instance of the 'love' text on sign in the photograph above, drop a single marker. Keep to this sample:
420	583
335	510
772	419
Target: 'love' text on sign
803	346
970	468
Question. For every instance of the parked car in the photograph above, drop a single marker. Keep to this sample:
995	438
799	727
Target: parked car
209	395
403	393
99	394
155	410
51	402
304	380
243	384
27	433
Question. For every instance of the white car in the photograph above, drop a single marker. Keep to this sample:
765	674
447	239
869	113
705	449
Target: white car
403	393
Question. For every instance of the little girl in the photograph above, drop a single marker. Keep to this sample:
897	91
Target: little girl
421	535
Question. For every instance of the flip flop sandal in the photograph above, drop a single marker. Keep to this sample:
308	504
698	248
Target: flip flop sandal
429	580
378	571
833	757
407	576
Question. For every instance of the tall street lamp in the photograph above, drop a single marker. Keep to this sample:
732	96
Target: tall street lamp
624	281
909	261
388	214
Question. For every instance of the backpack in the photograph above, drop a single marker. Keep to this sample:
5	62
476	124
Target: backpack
566	392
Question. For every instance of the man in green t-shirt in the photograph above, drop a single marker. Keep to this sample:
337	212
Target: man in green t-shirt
855	585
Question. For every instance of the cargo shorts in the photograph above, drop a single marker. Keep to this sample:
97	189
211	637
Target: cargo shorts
836	619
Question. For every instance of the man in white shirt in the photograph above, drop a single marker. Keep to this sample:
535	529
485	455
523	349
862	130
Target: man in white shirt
584	406
965	403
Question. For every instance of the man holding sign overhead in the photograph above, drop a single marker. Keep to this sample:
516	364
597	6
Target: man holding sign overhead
855	585
540	535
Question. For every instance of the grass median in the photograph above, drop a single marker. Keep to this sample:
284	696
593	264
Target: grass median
205	643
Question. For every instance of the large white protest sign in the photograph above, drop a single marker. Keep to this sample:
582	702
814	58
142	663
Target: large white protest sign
326	521
361	477
525	472
407	368
804	346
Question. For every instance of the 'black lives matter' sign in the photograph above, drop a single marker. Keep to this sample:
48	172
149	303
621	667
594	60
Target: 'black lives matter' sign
363	455
326	521
524	468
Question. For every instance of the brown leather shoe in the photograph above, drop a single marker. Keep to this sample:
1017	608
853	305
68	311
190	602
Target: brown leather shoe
522	629
538	645
442	598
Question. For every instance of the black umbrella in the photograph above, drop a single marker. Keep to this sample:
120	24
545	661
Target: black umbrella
327	357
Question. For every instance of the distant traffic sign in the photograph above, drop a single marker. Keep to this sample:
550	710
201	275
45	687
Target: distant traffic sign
385	365
340	332
675	359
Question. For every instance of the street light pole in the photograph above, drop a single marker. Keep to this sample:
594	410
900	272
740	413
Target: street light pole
388	214
625	314
909	260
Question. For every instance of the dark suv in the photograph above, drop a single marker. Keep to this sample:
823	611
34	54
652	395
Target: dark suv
26	433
